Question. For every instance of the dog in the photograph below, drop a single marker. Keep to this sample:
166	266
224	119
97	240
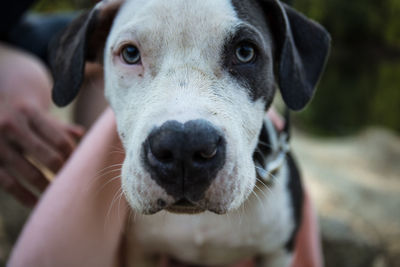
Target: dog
190	82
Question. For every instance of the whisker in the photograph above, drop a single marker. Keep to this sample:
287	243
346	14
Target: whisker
242	211
261	191
117	152
263	184
240	216
108	182
264	144
130	213
259	200
104	172
108	167
118	148
110	208
121	195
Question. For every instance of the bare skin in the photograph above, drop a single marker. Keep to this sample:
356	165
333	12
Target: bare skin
26	128
80	219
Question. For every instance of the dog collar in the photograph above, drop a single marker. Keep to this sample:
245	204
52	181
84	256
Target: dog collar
271	151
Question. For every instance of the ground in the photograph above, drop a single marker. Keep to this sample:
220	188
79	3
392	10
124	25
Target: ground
355	184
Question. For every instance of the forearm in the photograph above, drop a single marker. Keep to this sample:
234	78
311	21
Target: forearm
80	219
19	69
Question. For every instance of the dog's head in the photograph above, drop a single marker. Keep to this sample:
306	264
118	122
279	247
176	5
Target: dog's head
189	82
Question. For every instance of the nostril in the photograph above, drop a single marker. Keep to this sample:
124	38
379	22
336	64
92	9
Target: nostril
208	153
163	155
184	158
205	155
164	143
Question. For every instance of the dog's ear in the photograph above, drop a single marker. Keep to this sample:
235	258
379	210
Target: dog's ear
302	47
83	40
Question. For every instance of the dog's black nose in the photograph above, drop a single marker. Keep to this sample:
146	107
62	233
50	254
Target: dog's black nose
185	158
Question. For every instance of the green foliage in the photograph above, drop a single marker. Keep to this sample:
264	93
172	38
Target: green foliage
361	85
385	105
61	5
356	20
392	23
52	5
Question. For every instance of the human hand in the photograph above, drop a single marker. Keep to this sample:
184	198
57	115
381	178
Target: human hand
91	212
27	131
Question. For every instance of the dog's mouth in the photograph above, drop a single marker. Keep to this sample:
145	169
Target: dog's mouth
184	206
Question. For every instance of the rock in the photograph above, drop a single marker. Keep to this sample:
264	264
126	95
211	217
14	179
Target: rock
355	184
343	247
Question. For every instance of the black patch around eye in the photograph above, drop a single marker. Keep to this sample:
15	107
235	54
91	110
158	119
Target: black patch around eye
257	74
245	53
260	80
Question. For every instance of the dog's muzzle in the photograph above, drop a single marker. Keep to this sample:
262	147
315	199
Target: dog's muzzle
184	158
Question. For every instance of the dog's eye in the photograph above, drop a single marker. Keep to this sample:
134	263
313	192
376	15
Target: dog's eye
245	53
130	54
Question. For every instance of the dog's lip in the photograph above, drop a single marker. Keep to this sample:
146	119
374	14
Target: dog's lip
184	206
184	203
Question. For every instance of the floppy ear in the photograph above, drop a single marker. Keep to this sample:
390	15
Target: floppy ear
302	46
83	40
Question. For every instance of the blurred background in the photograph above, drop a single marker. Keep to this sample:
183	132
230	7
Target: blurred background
349	147
347	140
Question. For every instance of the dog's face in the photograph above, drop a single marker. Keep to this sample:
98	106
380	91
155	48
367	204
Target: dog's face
189	82
186	113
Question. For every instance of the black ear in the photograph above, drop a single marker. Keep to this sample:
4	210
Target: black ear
302	46
83	40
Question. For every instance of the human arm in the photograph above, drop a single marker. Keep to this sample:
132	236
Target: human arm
80	219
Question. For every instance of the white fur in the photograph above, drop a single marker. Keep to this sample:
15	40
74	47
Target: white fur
259	227
181	78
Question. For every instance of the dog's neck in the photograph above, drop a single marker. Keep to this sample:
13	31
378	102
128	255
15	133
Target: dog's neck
269	156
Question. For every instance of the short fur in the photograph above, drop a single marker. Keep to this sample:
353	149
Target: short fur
188	72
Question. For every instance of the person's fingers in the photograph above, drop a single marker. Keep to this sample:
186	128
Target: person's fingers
32	174
51	133
15	163
75	131
35	147
13	187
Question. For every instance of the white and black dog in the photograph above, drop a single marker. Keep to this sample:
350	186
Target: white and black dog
190	82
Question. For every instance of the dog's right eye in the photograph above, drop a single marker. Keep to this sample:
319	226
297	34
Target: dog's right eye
130	54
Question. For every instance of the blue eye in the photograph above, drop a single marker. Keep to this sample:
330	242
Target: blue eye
131	54
245	53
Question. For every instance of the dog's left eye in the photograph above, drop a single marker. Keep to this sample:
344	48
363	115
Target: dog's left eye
130	54
245	53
